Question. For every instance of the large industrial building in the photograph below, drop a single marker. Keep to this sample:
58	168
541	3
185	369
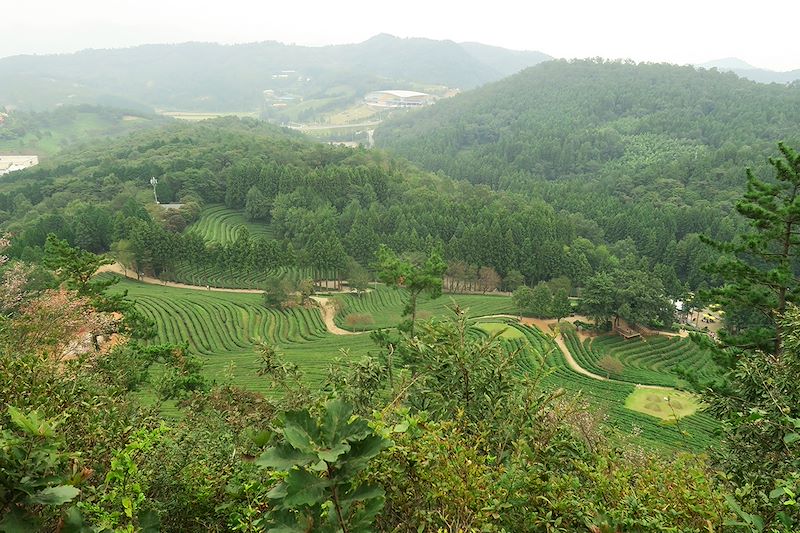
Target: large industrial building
396	98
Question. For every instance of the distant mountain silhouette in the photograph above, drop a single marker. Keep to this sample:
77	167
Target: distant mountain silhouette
214	77
746	70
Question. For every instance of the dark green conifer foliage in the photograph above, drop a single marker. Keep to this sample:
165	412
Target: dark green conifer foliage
759	268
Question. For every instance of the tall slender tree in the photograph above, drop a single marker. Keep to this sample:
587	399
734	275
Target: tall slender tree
759	268
415	277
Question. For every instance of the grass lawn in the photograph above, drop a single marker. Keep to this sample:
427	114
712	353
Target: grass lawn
663	404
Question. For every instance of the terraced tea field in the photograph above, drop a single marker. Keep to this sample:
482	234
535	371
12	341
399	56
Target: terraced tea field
650	360
234	279
222	328
385	306
219	224
694	432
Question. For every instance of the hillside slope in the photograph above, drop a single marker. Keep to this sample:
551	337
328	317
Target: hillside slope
603	121
648	155
213	77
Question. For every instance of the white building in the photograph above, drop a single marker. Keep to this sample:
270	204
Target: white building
10	163
396	98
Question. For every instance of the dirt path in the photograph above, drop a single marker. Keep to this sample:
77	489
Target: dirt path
328	313
118	269
545	326
325	305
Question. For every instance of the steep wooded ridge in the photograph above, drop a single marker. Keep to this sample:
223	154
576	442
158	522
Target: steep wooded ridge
621	125
650	152
214	77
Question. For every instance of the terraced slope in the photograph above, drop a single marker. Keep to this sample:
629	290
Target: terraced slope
223	327
385	306
695	432
234	279
219	224
650	360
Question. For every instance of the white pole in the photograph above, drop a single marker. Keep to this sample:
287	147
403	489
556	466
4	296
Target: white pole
154	182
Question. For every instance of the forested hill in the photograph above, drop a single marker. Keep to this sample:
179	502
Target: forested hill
213	77
321	204
650	154
672	133
46	133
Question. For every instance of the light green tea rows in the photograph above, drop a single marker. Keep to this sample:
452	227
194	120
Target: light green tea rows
650	361
219	224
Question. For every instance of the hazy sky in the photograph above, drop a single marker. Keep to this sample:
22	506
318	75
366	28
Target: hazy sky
678	31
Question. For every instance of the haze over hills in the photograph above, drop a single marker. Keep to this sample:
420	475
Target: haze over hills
581	215
213	77
746	70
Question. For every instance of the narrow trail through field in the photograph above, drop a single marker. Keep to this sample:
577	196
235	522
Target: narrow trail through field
328	314
325	305
544	325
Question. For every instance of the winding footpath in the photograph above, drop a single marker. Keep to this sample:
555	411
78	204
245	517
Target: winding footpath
328	312
325	304
544	326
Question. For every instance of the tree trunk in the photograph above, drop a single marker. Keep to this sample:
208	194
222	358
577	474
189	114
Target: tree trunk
413	311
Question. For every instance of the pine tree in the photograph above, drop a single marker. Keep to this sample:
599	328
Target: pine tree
414	277
759	267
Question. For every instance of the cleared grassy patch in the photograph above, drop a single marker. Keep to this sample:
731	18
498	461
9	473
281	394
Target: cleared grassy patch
663	404
506	331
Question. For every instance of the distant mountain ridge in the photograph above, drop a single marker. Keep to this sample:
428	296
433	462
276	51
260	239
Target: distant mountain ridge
746	70
207	76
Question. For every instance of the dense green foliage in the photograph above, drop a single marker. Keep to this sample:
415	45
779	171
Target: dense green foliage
759	349
761	429
328	203
631	295
323	459
47	133
416	276
759	268
651	153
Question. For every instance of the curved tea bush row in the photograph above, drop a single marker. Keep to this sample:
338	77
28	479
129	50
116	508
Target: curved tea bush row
385	305
695	432
223	328
219	224
650	360
234	279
